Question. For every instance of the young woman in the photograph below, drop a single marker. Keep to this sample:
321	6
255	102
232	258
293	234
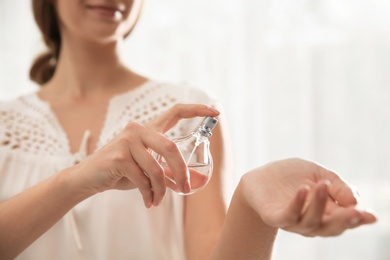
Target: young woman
66	150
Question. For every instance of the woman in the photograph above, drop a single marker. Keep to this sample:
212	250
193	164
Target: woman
65	150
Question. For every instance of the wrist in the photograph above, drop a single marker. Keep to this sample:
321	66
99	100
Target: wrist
244	235
75	184
243	197
261	237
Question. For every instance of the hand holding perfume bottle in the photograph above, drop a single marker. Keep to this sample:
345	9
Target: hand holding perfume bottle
195	149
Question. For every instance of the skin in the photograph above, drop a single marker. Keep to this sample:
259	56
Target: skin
294	194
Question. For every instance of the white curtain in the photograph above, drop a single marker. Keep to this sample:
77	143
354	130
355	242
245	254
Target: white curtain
306	78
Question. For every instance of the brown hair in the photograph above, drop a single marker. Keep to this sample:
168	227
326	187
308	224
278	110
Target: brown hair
45	15
44	65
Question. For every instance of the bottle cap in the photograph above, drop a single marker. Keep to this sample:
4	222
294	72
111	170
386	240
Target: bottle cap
209	123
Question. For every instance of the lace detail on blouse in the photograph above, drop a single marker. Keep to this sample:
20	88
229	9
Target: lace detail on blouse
26	127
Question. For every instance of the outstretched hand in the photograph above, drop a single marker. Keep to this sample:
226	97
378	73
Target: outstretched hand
303	197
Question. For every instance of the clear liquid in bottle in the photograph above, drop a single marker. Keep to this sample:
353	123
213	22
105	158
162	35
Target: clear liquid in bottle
195	149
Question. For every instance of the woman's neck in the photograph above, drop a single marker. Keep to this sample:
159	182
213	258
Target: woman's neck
87	68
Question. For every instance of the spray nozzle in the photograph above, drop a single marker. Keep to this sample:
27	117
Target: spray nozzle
207	126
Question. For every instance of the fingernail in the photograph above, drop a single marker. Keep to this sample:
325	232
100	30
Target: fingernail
356	195
323	193
373	213
354	221
186	187
213	110
303	192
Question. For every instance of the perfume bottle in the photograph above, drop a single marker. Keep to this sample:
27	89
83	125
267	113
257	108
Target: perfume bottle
195	149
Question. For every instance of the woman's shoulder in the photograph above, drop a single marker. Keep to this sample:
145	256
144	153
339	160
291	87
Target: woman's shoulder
184	92
27	125
183	87
156	96
10	104
22	109
17	105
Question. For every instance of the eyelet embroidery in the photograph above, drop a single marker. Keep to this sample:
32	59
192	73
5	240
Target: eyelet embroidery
25	133
35	131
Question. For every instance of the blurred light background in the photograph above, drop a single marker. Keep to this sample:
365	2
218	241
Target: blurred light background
305	78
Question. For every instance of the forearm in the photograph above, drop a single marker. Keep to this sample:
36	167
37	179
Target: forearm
28	215
244	235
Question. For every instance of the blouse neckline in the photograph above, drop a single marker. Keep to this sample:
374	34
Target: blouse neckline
81	153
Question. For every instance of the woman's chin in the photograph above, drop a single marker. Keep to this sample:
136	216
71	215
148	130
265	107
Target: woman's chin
103	36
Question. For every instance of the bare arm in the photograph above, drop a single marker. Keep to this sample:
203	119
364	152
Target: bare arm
28	215
293	194
245	235
204	212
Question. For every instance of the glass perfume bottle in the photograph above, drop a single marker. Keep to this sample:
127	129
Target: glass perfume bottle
195	149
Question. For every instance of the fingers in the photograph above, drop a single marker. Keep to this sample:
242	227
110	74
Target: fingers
293	213
170	184
174	159
312	218
153	171
342	219
126	166
143	183
300	220
176	165
340	191
336	223
367	217
148	138
314	221
180	111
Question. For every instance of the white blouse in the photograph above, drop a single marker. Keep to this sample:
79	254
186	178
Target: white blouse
110	225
